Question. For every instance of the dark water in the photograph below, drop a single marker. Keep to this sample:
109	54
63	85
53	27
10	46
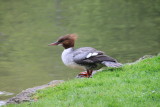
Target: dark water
124	29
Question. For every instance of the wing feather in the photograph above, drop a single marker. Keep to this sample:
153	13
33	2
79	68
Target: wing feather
94	56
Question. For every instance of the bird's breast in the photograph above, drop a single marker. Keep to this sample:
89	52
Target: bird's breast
67	58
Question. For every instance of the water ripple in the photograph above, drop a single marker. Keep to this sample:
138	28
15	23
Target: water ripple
5	93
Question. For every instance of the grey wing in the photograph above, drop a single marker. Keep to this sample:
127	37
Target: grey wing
89	55
82	53
99	59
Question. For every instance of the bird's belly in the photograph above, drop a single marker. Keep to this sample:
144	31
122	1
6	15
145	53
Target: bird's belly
72	64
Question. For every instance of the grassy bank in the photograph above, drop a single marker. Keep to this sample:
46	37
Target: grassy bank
135	85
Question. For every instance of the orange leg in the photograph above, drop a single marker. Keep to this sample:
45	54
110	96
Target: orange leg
83	74
86	74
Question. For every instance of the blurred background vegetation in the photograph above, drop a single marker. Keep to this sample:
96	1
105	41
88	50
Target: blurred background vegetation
124	29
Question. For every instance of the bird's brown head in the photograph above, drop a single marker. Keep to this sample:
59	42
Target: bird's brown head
66	41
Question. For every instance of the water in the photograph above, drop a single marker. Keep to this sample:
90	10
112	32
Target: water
125	30
2	103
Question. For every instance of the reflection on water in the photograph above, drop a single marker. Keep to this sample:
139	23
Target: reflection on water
5	93
125	30
2	103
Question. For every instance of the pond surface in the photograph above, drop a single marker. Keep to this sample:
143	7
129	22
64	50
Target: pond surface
125	30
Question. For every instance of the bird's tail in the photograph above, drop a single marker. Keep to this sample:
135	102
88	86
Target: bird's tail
112	64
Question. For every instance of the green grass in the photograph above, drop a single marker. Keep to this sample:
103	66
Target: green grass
135	85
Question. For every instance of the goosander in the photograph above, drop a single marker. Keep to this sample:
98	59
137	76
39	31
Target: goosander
85	58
